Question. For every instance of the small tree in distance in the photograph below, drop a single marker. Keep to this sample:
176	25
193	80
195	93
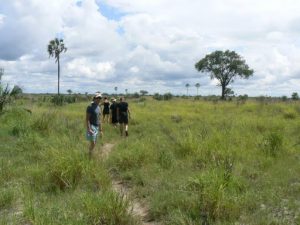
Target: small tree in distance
143	92
187	89
197	86
295	96
225	67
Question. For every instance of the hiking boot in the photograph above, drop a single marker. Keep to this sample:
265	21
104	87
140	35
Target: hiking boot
126	133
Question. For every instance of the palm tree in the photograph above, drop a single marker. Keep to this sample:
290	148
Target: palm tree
55	47
187	89
116	89
126	91
197	86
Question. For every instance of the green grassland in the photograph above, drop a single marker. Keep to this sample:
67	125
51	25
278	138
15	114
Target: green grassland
192	162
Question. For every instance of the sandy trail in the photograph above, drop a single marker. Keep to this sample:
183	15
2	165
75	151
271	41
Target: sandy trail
137	208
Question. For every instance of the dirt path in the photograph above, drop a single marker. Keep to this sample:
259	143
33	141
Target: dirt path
137	208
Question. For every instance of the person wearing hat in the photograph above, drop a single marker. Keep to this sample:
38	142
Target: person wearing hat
113	112
93	125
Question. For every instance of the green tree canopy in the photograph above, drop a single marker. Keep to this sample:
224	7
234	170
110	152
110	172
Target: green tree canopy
225	67
143	92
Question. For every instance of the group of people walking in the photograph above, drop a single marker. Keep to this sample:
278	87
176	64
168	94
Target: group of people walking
113	112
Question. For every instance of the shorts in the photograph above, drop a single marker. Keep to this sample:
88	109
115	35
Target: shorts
105	111
93	136
123	118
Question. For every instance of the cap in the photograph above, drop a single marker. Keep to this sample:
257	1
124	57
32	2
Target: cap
98	95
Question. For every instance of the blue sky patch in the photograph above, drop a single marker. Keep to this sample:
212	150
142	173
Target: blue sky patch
79	3
110	12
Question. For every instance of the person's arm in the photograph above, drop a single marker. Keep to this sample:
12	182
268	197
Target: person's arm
128	111
100	129
118	113
88	124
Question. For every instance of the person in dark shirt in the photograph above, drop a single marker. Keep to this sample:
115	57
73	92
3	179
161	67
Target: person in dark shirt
105	110
123	114
93	125
113	112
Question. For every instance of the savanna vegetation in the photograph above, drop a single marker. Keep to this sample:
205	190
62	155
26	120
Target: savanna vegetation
191	161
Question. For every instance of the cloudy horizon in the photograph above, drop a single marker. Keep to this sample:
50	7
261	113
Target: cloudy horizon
149	45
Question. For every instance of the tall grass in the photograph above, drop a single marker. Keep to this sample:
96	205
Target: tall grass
193	162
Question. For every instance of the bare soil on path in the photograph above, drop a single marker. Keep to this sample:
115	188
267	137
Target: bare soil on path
137	208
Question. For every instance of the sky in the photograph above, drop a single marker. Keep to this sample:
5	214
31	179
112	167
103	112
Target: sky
150	45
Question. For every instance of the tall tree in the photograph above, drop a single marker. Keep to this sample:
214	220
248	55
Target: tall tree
197	86
116	89
187	89
225	67
55	47
126	91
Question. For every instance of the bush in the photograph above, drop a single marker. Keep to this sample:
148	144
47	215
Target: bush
106	208
166	96
272	144
289	115
6	198
65	169
60	100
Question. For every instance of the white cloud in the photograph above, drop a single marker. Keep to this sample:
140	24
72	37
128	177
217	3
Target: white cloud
155	43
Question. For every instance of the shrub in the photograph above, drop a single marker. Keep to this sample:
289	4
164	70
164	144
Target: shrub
44	122
106	208
187	144
64	168
272	144
289	115
165	159
6	198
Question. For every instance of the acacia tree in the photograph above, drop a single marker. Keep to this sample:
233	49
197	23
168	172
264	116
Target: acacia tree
187	89
225	67
197	86
55	47
143	92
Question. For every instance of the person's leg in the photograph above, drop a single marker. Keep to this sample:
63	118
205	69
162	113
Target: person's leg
126	129
91	148
121	128
92	137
